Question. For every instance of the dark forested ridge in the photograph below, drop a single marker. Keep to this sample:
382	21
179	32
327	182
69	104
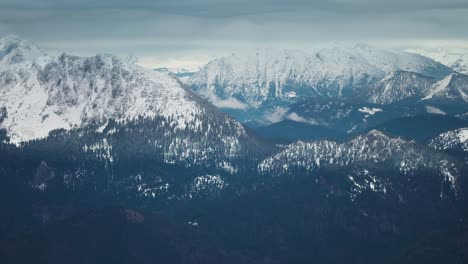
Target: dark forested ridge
59	198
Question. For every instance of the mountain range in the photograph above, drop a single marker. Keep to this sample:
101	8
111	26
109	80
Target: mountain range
259	77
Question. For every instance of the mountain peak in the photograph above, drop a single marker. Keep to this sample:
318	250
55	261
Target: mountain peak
452	140
11	39
376	133
399	85
455	58
16	50
452	87
371	148
70	91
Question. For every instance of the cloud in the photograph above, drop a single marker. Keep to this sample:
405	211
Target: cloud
434	110
281	113
295	117
229	103
276	115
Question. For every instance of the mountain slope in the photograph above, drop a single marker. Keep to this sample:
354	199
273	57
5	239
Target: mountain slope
68	91
371	148
397	86
390	61
454	140
452	88
456	59
15	50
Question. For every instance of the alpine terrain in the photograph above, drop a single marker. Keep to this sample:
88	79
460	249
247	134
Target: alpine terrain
344	155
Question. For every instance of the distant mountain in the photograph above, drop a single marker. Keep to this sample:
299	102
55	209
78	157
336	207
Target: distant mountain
391	61
14	50
452	88
282	77
398	86
457	59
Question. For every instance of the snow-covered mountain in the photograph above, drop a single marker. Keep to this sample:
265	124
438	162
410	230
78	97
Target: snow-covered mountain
397	86
390	61
70	92
456	140
15	50
453	88
271	76
374	147
457	59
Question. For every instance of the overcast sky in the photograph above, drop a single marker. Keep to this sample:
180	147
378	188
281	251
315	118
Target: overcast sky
180	32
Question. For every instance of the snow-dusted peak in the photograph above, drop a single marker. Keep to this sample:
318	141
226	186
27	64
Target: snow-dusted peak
268	76
390	60
70	91
377	134
457	59
373	147
452	140
15	50
365	150
452	87
397	86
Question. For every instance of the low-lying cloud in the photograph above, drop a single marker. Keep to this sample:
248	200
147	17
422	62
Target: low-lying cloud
281	113
228	103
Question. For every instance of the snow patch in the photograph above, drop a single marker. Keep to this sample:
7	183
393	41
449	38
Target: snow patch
369	111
